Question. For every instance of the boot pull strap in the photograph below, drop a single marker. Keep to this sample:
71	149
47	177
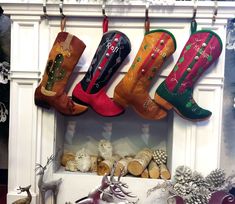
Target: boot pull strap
105	24
193	21
147	21
63	17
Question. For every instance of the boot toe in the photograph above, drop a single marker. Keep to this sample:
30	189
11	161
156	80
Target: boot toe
78	109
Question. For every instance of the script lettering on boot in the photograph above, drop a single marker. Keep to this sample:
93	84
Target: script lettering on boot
113	48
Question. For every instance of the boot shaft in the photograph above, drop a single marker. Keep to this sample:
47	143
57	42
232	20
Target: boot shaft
113	49
62	59
156	47
200	51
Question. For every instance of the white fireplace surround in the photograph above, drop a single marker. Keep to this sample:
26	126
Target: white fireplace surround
32	129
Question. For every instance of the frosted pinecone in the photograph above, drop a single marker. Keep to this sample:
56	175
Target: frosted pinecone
199	180
183	174
197	199
160	156
216	178
180	190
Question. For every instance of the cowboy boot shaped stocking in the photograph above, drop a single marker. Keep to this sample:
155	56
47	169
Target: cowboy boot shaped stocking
200	51
91	90
62	60
133	89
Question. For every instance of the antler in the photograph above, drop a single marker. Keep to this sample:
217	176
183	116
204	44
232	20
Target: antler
49	160
22	189
118	188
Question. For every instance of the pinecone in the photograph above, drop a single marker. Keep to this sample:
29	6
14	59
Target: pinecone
199	180
183	175
216	178
160	156
181	190
197	199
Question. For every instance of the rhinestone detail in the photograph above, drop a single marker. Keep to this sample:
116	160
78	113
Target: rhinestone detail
204	44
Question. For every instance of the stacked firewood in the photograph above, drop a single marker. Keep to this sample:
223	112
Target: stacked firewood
146	163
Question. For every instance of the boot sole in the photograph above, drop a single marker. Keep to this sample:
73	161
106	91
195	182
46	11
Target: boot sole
165	104
78	101
42	104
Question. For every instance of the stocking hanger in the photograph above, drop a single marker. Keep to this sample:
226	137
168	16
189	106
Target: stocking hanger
193	21
63	17
147	21
44	8
215	12
194	9
105	18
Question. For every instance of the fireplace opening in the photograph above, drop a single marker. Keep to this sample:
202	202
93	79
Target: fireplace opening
85	141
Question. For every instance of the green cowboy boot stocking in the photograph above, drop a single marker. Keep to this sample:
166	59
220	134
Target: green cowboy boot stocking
200	51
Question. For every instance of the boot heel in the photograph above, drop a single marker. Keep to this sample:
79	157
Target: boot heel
120	100
42	104
159	100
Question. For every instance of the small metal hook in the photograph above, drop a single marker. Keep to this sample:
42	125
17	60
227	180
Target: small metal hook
44	8
63	18
215	12
105	18
194	9
103	8
61	8
147	10
147	22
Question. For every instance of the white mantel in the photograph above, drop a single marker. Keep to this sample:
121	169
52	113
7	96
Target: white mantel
32	130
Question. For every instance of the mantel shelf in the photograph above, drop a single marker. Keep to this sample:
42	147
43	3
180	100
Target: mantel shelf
133	9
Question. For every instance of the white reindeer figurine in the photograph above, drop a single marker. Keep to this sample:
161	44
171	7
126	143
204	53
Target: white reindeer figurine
26	200
43	186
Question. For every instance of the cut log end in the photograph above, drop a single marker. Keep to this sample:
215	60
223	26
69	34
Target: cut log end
135	168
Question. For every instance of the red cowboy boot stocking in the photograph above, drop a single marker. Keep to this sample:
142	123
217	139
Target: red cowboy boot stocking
113	49
201	50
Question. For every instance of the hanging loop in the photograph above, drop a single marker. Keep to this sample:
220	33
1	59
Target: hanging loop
147	21
215	12
105	18
63	17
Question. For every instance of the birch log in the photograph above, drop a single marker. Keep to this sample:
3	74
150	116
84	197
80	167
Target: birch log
121	167
137	165
145	173
67	156
154	171
164	172
105	166
94	161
